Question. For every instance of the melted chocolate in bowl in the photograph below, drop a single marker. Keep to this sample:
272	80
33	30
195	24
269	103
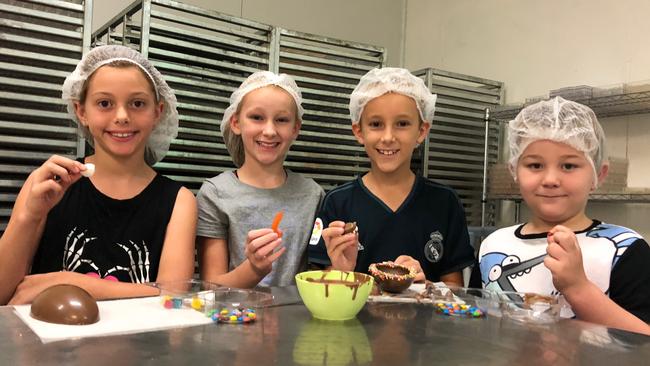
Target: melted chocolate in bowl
357	280
65	304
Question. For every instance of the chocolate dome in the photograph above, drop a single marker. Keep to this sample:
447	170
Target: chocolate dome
65	304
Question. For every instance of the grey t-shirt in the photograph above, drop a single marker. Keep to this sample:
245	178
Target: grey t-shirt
229	209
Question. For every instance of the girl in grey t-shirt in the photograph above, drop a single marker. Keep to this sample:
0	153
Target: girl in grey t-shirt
236	244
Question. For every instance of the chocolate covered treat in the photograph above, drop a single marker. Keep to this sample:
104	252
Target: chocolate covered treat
65	304
349	227
392	277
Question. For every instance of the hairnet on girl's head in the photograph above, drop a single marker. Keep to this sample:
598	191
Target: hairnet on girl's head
166	129
378	82
257	80
562	121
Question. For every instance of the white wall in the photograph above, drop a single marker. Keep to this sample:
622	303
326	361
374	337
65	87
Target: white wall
535	46
375	22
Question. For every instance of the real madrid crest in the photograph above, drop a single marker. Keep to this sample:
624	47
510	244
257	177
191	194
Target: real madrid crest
433	249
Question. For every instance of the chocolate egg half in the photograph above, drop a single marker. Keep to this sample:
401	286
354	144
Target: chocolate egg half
65	304
392	277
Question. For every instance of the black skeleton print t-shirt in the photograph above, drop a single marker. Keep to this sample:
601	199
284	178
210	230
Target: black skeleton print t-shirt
89	232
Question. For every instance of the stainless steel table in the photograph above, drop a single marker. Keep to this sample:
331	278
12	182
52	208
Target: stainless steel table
382	334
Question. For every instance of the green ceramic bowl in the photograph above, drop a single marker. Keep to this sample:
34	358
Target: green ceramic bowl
334	295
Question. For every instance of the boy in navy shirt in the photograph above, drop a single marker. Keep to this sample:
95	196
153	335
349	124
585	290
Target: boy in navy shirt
400	217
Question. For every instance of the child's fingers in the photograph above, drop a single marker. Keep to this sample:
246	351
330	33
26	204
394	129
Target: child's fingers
408	262
560	228
51	171
411	262
420	277
61	167
46	187
567	240
552	264
256	234
261	242
550	238
72	166
337	223
555	251
267	248
338	250
340	240
273	257
332	232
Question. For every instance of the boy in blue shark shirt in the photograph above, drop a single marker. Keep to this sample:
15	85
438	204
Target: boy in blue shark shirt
400	217
557	157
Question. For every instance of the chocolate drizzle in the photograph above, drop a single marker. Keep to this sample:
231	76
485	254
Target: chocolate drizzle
358	280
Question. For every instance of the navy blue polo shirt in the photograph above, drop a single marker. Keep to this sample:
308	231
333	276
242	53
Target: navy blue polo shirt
429	226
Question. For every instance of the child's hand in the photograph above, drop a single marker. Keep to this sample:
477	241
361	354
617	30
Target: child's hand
411	262
342	249
261	250
32	285
49	182
564	260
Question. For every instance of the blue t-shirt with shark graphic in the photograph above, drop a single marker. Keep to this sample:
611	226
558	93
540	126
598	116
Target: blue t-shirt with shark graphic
615	258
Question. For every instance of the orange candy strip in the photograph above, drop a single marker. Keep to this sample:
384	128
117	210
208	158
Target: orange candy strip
276	222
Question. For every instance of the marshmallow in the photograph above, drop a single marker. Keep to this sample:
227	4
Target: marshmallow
90	170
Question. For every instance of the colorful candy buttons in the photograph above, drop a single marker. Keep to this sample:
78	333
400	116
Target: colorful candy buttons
456	309
235	316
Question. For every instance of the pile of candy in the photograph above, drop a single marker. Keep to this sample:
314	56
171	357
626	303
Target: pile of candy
235	316
170	302
456	309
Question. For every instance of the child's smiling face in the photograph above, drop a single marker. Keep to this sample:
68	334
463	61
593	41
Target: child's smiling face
555	181
120	110
268	124
390	129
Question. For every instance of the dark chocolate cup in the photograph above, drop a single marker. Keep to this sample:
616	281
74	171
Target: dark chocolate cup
393	278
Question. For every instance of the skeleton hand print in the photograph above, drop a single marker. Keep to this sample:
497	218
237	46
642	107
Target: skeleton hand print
75	253
75	243
139	270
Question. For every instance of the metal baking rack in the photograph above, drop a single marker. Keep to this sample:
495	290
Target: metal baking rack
42	41
462	142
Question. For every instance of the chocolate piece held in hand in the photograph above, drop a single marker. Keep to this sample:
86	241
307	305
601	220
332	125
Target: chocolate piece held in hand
349	227
65	304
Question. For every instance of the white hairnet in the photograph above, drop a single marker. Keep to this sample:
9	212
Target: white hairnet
562	121
257	80
166	129
378	82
